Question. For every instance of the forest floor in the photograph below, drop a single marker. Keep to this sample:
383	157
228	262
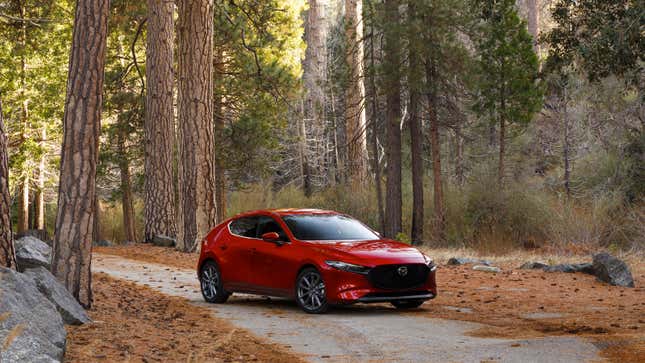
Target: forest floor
513	304
134	323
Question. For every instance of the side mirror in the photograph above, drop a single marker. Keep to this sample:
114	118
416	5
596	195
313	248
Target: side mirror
273	237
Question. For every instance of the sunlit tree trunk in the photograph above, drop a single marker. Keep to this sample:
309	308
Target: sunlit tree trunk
534	23
7	256
392	62
159	195
72	252
196	129
355	104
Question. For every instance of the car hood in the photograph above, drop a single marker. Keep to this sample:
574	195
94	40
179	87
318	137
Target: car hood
369	253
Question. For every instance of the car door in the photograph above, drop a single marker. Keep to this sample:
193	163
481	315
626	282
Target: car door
273	264
237	252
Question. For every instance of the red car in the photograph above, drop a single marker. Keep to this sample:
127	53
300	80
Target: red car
319	258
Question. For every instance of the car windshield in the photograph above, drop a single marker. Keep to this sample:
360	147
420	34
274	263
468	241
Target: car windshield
327	227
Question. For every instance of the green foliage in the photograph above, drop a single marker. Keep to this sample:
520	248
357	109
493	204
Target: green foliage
33	60
507	88
599	37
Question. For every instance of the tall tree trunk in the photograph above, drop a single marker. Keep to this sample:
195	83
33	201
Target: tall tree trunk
502	147
129	226
459	155
314	76
40	191
7	255
23	202
72	252
392	63
159	197
375	130
416	148
439	219
220	173
567	145
355	104
534	23
220	119
196	131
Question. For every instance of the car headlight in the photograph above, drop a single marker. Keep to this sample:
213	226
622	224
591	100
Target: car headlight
349	267
429	263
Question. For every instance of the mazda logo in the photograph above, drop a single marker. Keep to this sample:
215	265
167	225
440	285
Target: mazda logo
403	270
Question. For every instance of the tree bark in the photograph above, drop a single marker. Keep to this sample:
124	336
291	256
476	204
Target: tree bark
534	23
439	220
129	226
7	255
375	116
72	252
220	120
392	63
159	197
195	98
355	104
416	147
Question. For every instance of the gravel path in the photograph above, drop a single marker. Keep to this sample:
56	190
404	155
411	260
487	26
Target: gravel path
355	333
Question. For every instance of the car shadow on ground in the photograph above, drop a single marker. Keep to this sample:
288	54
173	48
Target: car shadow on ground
279	305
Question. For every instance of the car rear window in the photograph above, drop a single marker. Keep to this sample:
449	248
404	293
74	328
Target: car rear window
245	227
327	227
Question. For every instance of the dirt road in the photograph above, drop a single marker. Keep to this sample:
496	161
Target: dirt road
355	333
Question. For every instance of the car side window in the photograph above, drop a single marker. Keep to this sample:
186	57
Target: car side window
245	227
268	224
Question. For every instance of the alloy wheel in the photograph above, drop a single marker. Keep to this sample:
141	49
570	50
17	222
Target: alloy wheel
210	281
311	291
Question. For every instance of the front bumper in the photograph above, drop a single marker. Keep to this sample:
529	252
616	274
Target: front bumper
349	288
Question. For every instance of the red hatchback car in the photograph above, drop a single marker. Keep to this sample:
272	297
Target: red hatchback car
319	258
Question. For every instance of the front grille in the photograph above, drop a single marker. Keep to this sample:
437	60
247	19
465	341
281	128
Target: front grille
392	276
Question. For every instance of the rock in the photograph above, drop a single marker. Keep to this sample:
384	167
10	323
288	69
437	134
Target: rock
41	234
463	261
70	310
32	252
571	268
612	270
163	241
533	265
102	243
31	330
486	268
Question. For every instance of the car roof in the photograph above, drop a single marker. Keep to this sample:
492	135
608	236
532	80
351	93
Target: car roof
286	212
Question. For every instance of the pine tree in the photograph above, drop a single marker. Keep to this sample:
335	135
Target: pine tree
7	256
508	87
72	252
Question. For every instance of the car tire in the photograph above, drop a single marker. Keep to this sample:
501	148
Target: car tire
310	291
211	285
407	304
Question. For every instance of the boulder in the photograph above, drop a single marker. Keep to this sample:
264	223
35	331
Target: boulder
486	268
533	265
32	252
31	329
41	234
70	310
163	241
612	270
102	243
463	261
